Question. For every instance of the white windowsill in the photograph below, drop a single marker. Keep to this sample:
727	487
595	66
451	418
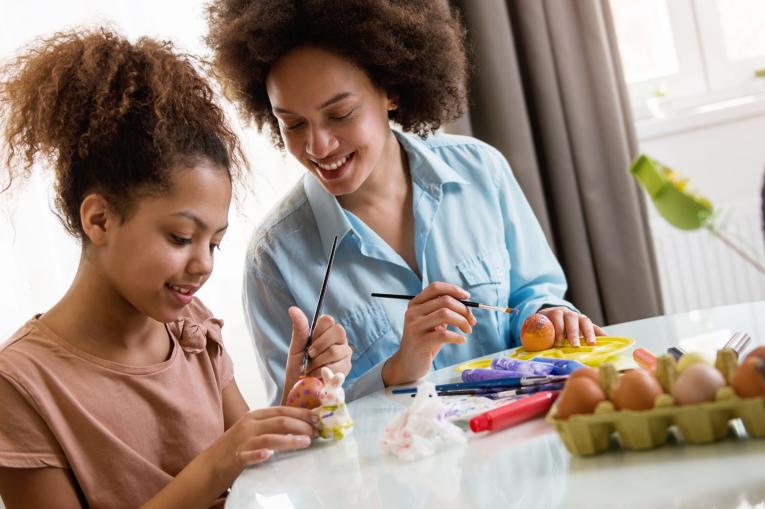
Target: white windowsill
719	112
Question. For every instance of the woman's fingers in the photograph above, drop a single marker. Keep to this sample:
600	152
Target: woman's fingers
587	330
446	302
571	321
437	289
556	317
439	337
444	316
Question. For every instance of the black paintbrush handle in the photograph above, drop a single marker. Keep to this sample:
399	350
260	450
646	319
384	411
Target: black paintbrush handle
468	303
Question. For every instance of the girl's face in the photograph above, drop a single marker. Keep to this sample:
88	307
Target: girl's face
331	116
163	253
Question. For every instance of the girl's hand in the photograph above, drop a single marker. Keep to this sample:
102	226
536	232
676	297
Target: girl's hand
329	348
254	438
570	326
425	331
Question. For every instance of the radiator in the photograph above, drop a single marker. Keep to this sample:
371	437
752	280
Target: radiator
697	270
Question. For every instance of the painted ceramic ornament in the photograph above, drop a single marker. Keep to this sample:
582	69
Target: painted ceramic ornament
335	421
422	429
305	393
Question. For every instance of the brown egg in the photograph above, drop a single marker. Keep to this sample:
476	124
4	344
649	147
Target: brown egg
586	372
757	352
635	390
305	392
697	384
580	395
748	380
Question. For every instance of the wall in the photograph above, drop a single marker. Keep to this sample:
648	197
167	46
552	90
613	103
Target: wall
723	154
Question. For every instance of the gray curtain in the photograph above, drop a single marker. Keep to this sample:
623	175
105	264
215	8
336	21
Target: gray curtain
547	90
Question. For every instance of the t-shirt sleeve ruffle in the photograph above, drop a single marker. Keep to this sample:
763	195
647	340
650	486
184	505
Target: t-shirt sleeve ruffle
25	439
201	331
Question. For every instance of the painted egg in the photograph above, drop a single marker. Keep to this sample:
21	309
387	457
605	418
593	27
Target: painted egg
635	390
537	333
749	380
580	395
305	393
697	384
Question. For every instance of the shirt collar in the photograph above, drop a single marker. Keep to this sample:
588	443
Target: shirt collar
428	171
330	218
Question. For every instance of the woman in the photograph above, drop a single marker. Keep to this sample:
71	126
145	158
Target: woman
437	216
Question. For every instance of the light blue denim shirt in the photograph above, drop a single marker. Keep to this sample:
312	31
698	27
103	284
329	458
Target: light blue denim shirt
473	227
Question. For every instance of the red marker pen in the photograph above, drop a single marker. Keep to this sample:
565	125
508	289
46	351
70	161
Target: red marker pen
513	413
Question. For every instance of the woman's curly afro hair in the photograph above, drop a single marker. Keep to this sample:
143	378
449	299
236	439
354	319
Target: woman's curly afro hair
412	49
113	117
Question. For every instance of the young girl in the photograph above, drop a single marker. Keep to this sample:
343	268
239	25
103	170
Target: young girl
122	394
441	218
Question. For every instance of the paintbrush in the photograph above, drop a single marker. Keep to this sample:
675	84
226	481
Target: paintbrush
506	383
306	357
468	303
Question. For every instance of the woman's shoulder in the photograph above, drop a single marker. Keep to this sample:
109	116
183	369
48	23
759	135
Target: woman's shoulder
29	340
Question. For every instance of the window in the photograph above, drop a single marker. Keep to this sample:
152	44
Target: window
685	53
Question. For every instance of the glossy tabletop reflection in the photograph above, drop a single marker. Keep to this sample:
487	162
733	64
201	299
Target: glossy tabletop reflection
525	466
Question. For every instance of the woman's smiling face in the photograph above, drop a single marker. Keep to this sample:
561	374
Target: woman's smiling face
332	118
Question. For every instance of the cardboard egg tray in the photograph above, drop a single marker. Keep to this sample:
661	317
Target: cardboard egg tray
639	430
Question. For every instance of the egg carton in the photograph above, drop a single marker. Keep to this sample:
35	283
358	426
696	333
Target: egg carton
700	423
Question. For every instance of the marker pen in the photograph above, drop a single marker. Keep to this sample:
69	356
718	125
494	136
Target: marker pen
513	413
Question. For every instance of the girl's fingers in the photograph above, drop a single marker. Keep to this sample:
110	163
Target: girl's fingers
599	331
273	442
332	335
248	458
322	324
331	355
302	414
282	425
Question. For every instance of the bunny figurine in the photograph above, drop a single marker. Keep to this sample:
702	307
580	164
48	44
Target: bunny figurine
336	422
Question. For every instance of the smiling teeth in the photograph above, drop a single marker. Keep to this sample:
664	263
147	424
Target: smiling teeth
179	290
334	165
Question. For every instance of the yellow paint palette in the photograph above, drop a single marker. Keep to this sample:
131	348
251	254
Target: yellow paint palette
606	348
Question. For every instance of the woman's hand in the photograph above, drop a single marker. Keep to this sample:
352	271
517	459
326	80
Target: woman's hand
329	348
425	331
254	438
570	326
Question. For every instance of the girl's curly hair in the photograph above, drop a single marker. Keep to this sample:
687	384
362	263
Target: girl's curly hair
412	49
111	116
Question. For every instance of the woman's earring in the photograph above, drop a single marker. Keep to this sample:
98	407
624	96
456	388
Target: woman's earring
392	106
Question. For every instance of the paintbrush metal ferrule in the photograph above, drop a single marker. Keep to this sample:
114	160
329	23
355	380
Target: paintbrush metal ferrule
501	309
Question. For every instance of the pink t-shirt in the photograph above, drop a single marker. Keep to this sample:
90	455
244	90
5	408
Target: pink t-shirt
123	431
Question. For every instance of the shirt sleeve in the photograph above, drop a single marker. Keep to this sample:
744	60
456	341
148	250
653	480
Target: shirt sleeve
266	300
371	381
536	277
25	439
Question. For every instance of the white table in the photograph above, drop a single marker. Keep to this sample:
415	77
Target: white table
525	466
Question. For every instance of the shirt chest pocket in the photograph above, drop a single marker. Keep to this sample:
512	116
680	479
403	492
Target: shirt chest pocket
482	270
371	335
